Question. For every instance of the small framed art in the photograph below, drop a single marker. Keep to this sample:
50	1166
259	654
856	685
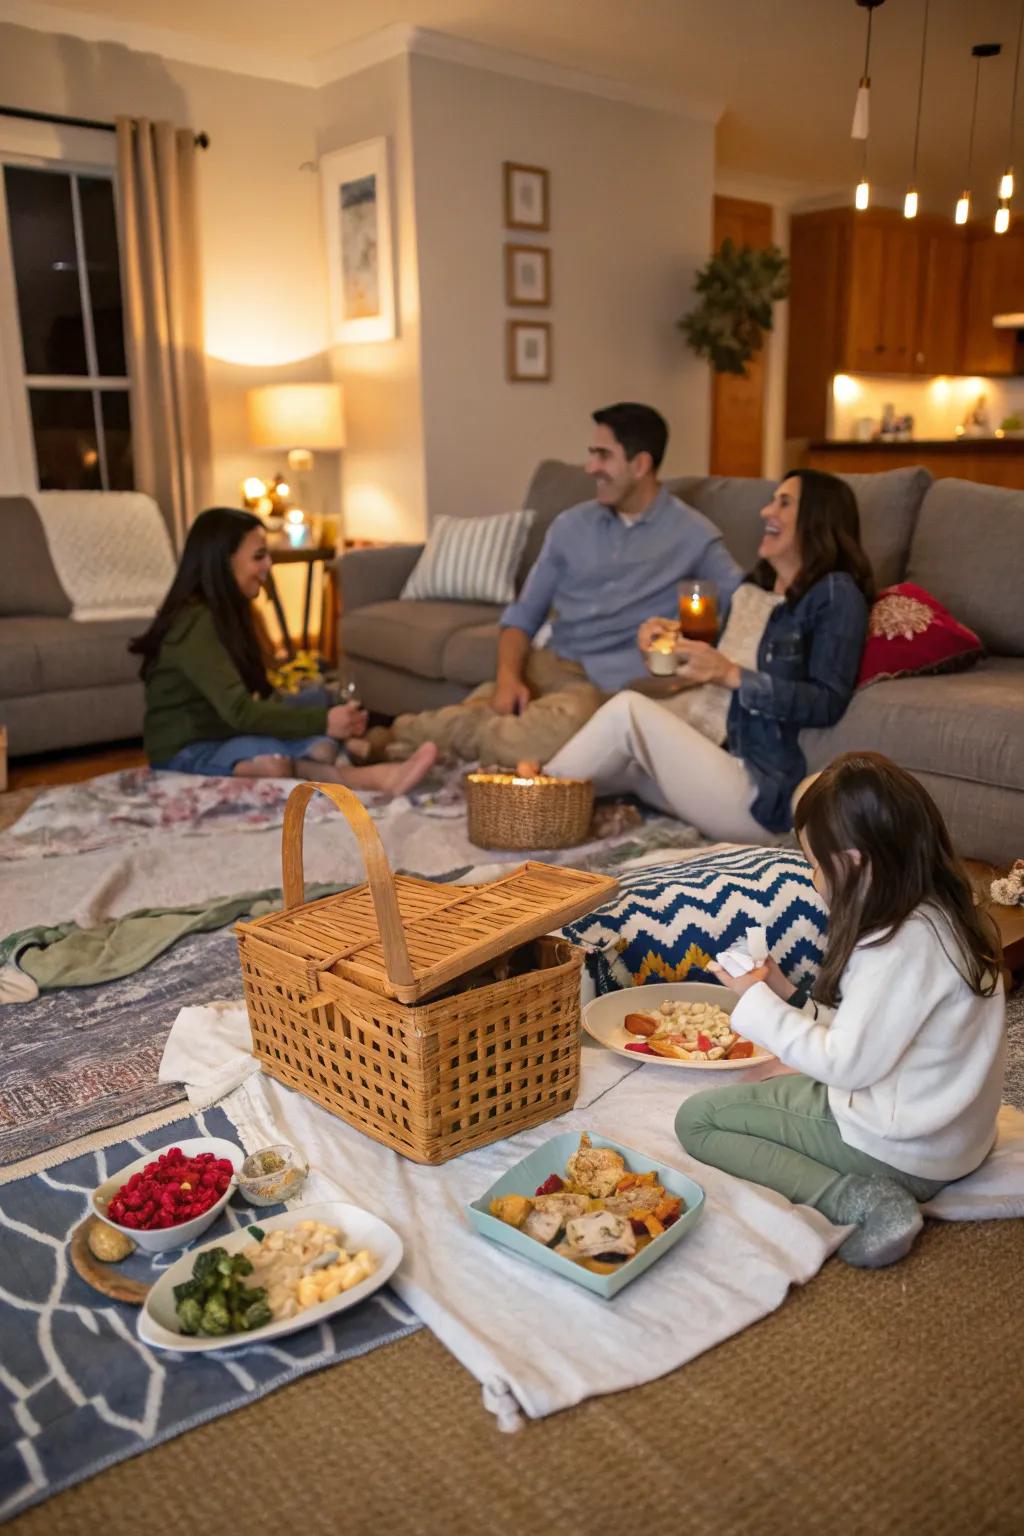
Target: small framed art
357	228
527	275
528	351
526	197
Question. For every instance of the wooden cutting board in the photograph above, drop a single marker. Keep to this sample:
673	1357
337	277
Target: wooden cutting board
105	1278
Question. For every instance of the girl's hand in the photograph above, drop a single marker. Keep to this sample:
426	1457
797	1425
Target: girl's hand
703	663
344	720
741	984
778	983
650	629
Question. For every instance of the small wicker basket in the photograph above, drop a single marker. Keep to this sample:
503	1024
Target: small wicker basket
506	811
403	1005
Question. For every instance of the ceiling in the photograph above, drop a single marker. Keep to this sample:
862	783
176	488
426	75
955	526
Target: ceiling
786	72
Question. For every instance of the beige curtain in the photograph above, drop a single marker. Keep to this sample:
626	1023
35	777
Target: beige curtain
156	167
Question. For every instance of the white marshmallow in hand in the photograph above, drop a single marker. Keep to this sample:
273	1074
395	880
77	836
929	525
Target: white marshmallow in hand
745	955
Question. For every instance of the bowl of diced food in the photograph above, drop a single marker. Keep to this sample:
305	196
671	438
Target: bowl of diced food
684	1024
265	1281
168	1198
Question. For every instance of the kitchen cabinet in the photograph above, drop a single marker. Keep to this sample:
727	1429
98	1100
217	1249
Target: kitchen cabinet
882	294
939	341
995	285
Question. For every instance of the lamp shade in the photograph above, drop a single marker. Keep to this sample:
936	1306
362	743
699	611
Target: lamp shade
286	416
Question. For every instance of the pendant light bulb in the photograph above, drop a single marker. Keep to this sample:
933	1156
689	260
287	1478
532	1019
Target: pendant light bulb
1006	184
910	204
862	196
963	208
1002	223
862	110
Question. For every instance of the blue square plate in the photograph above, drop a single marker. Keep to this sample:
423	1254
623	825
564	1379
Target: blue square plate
552	1157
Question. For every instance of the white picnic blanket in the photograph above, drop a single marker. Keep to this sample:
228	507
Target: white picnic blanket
535	1342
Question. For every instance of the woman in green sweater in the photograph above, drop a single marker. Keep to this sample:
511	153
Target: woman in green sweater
209	706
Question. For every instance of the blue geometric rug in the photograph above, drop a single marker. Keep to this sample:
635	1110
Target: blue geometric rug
78	1389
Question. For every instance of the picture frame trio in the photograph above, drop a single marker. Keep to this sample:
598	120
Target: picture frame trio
527	273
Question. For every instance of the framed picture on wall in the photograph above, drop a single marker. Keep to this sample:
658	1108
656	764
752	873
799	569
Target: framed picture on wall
527	275
528	351
526	197
357	234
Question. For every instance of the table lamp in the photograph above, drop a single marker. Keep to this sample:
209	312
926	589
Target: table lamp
297	419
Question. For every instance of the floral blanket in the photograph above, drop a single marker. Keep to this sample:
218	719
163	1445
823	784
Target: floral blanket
121	807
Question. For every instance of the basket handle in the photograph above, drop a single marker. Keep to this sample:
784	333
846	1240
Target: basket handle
378	871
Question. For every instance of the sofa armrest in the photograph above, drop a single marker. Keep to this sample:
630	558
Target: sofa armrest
375	575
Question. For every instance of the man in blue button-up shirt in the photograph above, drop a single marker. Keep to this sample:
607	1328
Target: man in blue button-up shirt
605	566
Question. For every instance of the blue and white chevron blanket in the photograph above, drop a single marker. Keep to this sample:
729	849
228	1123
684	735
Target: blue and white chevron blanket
669	920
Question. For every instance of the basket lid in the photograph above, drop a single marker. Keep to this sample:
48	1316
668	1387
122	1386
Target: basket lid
405	937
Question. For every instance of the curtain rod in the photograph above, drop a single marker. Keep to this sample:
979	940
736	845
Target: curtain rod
202	139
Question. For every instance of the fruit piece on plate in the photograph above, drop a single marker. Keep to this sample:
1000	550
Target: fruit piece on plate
740	1050
640	1023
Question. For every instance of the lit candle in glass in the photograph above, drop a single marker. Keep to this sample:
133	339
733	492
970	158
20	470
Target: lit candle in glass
698	611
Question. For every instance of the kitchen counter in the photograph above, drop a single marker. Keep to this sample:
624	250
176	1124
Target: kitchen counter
988	460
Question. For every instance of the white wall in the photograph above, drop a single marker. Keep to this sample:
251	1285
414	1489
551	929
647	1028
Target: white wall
383	473
630	222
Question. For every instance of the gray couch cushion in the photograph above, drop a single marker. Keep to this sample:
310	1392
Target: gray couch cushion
966	726
471	655
93	654
968	551
888	504
20	671
29	583
409	635
554	487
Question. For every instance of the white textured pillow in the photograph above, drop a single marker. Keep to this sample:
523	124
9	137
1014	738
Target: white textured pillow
471	559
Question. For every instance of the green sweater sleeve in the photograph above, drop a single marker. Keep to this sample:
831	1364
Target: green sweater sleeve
199	655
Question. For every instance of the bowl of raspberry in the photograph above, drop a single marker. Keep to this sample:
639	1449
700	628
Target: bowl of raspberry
167	1198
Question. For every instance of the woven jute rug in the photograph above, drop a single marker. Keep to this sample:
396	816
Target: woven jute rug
885	1404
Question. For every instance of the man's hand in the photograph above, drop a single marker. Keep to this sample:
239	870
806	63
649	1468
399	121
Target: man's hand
510	697
344	720
703	663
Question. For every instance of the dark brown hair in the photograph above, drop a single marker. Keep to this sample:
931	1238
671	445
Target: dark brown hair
638	428
828	534
205	576
864	802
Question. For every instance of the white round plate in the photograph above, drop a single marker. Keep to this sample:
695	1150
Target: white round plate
162	1239
602	1019
158	1323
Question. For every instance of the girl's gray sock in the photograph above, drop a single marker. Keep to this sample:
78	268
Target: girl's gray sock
886	1215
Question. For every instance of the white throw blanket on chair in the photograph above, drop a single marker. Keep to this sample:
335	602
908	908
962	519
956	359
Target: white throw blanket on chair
111	551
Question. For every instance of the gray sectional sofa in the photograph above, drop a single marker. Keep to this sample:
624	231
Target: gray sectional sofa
961	734
63	683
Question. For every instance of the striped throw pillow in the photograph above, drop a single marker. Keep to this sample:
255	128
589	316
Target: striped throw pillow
472	559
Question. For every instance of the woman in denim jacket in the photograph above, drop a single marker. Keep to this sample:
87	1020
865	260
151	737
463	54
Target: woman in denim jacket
810	590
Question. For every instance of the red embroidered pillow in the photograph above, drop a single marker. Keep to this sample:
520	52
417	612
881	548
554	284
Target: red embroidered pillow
910	633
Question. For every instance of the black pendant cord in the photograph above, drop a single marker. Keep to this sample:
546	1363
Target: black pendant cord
202	139
974	117
1016	78
920	91
867	46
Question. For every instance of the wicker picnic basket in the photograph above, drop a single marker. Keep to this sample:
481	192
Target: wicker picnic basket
433	1017
506	811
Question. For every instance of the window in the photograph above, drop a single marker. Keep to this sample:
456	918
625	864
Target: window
63	248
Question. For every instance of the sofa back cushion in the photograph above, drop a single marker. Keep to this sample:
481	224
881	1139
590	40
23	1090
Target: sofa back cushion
888	503
968	551
29	584
554	487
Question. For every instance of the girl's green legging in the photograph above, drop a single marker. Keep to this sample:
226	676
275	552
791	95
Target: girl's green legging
781	1133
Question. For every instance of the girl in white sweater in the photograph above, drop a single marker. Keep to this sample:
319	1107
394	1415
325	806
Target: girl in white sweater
901	1045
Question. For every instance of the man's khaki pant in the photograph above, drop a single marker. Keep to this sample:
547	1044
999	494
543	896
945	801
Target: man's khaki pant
563	699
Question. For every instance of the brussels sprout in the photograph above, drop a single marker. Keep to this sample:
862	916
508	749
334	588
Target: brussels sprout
216	1319
190	1314
257	1316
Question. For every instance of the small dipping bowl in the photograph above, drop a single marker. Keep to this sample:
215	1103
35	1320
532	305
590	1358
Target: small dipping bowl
272	1175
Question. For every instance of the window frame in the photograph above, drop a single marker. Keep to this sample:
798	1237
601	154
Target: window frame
71	152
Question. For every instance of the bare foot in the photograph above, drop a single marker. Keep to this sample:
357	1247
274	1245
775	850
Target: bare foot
371	748
390	779
269	766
